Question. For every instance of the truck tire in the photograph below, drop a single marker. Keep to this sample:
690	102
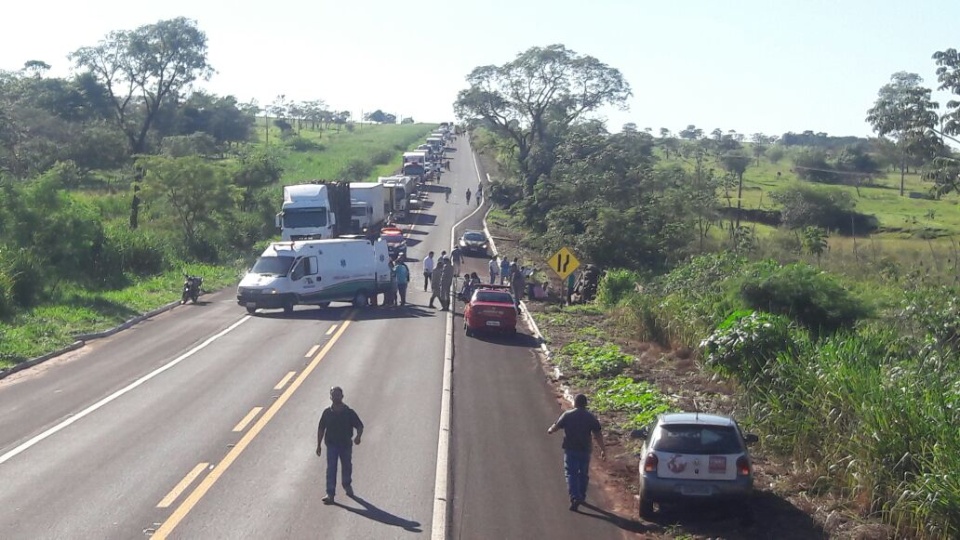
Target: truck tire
360	300
323	305
251	309
288	305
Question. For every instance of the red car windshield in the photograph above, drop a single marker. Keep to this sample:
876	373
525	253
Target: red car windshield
493	297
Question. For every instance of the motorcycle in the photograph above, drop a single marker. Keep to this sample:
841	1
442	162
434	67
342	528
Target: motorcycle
191	288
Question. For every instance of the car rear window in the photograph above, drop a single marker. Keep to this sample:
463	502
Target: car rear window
490	296
698	439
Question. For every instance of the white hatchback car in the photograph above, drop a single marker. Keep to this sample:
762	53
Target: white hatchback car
694	456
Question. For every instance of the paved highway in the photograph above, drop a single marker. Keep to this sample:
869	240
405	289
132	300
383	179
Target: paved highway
201	423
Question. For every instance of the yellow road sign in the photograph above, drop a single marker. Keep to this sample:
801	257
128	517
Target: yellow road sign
563	263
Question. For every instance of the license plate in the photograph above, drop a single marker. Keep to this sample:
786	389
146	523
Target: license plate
696	491
493	323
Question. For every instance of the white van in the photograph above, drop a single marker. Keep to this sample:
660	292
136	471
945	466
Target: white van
316	272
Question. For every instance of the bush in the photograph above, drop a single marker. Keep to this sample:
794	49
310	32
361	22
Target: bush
810	297
356	170
382	157
775	154
615	285
742	345
303	144
138	251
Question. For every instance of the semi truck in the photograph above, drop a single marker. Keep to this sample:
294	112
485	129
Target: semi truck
321	210
398	190
368	207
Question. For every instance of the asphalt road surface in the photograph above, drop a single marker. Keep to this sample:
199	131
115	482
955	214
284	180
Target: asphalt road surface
201	423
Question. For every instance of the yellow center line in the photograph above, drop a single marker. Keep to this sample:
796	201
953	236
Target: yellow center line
187	505
183	485
313	350
247	419
283	382
330	331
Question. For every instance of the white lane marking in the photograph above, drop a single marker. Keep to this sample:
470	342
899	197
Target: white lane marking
19	449
283	382
312	350
182	486
441	487
247	419
330	331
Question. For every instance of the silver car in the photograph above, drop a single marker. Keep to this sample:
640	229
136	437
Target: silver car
694	456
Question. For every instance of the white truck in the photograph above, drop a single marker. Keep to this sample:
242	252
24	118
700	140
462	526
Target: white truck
316	211
316	272
368	207
415	156
399	189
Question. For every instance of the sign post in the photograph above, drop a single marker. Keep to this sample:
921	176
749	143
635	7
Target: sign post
564	263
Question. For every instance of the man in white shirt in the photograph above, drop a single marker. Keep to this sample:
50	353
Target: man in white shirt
428	266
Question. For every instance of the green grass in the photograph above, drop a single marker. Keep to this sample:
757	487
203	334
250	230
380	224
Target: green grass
77	311
341	148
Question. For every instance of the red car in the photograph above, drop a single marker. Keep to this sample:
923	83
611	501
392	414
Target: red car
491	309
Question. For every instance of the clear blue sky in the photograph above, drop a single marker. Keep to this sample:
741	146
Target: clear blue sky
747	65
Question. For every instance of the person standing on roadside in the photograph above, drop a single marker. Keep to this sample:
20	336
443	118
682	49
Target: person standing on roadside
390	299
337	424
435	283
403	279
456	256
493	268
428	266
504	269
446	284
518	283
578	425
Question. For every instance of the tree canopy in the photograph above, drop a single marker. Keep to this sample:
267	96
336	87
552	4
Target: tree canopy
143	68
534	98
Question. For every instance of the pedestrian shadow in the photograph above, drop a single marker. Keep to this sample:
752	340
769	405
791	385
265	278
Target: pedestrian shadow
620	521
370	511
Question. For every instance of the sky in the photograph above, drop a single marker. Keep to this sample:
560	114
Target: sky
754	66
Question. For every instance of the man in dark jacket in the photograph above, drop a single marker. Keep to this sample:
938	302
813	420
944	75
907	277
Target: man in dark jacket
336	427
578	424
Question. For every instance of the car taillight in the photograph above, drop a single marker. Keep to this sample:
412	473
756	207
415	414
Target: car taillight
650	464
743	466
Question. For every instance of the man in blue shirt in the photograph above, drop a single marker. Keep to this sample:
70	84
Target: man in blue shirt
403	278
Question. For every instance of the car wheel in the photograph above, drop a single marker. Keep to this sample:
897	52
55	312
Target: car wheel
288	305
323	305
466	330
360	300
646	507
251	310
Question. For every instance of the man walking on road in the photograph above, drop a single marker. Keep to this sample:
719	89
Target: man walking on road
493	267
436	280
428	266
337	423
578	424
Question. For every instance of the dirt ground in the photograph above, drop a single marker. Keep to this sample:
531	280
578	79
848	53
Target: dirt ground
785	505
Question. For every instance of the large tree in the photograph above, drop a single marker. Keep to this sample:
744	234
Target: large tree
905	113
143	68
533	99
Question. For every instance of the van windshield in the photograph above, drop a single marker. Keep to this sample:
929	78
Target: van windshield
295	218
274	266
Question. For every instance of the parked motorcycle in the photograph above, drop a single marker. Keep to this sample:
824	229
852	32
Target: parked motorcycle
191	288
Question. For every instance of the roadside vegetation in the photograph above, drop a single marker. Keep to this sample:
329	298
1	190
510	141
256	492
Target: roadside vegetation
107	198
809	280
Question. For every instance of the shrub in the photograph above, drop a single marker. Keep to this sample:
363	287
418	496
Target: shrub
303	144
742	345
775	154
356	170
810	297
615	285
138	251
640	399
382	157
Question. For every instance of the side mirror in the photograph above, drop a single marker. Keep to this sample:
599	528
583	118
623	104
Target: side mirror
750	438
641	433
